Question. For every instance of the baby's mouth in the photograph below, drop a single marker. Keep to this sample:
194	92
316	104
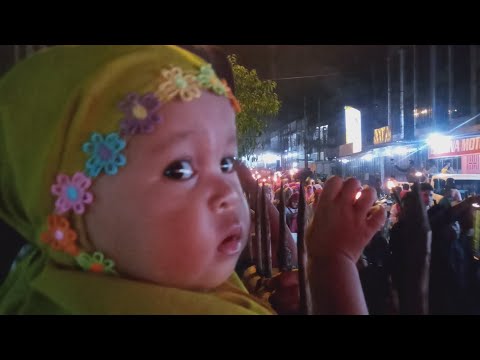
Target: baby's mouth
232	244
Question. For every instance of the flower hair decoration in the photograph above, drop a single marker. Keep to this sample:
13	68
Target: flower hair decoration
105	156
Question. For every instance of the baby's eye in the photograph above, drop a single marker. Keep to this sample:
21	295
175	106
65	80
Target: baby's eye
179	170
227	165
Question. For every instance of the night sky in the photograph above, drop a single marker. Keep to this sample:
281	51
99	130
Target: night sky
298	60
284	61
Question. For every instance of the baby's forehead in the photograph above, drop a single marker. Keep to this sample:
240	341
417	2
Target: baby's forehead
209	113
206	106
185	124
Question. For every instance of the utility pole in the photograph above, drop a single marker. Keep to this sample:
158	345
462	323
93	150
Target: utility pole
389	96
450	83
433	83
402	107
415	99
473	79
305	127
414	85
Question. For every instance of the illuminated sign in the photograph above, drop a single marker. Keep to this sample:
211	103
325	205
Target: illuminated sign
382	135
454	147
353	127
471	164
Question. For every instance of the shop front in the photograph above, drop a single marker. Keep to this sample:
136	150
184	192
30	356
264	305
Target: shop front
462	152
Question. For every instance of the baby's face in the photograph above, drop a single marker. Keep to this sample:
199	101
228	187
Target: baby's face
175	214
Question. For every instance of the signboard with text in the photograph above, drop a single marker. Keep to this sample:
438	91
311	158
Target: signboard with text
454	147
382	135
471	164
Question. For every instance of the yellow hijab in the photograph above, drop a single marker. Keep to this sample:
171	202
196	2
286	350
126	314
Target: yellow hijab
50	105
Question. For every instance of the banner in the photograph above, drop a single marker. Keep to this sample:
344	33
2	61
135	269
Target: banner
454	147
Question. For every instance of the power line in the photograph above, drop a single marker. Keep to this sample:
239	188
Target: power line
304	77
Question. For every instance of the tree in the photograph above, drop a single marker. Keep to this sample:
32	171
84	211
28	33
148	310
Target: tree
258	100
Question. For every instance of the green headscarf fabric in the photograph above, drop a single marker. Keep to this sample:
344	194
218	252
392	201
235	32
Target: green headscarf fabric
49	106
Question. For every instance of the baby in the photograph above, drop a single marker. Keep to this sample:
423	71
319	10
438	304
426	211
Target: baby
94	140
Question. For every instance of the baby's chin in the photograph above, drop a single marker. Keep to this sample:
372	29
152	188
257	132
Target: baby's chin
213	279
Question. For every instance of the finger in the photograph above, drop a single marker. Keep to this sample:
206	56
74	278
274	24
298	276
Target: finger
366	200
350	188
332	188
376	218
